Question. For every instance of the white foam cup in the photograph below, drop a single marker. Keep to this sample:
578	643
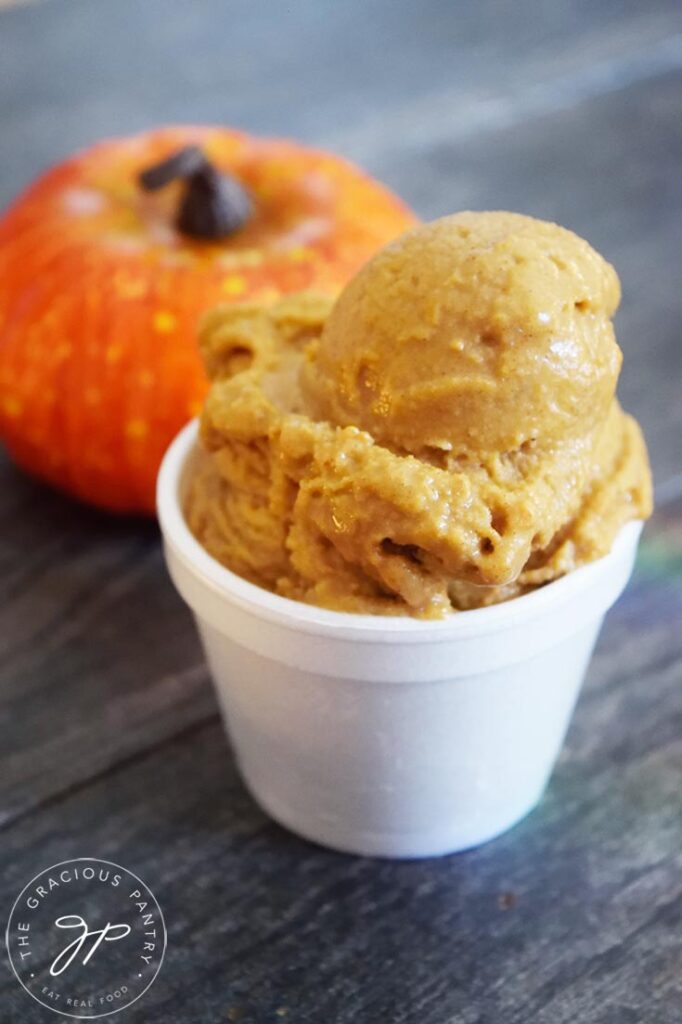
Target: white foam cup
390	736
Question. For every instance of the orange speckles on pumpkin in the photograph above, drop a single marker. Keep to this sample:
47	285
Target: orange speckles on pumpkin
137	429
299	254
128	286
112	354
267	294
127	292
235	284
62	352
48	320
12	407
164	321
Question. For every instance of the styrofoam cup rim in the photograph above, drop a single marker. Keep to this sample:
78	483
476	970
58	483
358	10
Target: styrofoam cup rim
350	625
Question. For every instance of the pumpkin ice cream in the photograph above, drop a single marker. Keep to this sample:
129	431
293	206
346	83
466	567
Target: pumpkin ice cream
444	436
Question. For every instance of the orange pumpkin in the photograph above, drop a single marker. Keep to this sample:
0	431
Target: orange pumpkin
100	293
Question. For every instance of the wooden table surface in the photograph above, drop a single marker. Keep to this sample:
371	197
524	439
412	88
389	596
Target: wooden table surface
111	744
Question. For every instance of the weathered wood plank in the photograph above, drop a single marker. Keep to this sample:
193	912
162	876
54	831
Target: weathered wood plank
111	744
98	655
260	921
372	79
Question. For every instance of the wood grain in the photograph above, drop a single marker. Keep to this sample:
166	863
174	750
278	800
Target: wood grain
261	921
111	741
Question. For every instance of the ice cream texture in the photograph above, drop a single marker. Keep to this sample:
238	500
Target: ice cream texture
444	436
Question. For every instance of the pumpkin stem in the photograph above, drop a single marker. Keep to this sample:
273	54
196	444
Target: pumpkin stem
213	206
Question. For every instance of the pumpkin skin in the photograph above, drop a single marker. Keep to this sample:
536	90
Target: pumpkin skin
100	295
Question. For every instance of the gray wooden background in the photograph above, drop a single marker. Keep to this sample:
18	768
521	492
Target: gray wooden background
110	744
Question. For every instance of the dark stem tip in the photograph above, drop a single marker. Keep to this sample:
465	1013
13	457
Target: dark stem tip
182	164
213	206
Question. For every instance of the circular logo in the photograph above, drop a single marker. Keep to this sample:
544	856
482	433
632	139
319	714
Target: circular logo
86	938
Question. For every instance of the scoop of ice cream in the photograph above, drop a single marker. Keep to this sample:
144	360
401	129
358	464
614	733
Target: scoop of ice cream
477	333
444	436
